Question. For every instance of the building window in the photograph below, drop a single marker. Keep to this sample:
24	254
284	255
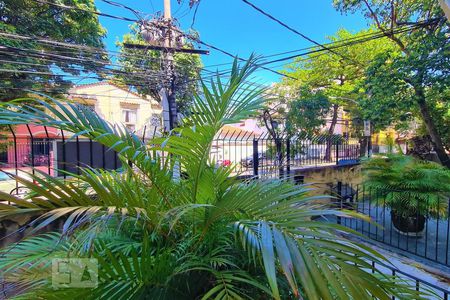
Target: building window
129	118
3	156
41	147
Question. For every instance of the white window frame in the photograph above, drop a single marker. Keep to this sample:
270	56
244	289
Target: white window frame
124	117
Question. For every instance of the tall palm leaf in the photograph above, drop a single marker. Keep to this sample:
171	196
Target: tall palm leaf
205	235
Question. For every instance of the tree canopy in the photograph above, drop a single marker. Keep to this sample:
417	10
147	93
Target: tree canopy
307	114
415	78
33	64
337	75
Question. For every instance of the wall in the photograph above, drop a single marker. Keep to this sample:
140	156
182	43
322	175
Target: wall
322	177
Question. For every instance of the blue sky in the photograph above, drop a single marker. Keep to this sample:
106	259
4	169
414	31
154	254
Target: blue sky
235	27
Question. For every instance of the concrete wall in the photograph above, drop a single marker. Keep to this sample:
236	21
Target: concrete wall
323	177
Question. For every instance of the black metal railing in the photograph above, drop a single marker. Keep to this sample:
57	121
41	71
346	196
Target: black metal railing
267	156
32	149
430	290
425	234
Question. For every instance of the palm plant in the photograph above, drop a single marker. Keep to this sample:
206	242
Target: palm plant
412	188
203	235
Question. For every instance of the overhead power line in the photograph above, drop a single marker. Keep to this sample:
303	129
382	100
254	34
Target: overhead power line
117	4
56	57
296	31
72	93
87	10
225	72
76	47
278	60
136	20
356	41
190	36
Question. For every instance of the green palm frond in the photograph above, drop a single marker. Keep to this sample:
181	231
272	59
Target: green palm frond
33	252
205	235
227	286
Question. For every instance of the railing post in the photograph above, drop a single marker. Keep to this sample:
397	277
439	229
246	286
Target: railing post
47	146
255	157
288	156
32	149
64	155
77	140
16	156
339	194
448	232
278	145
337	152
143	133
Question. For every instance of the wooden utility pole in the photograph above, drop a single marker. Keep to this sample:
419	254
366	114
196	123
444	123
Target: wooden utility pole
167	10
162	35
445	5
170	112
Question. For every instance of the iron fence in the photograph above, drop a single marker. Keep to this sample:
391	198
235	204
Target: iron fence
265	155
432	291
56	152
425	234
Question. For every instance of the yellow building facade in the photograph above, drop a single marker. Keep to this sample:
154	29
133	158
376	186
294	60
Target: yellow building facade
119	106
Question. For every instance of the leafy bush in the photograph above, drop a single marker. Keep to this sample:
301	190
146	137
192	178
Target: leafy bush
409	186
203	235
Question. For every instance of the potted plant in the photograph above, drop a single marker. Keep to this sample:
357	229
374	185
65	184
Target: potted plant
413	189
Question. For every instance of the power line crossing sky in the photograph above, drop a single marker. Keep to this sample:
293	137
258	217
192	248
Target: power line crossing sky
237	28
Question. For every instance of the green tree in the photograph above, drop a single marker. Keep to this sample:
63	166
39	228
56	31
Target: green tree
441	115
307	114
32	64
206	235
145	70
337	75
416	75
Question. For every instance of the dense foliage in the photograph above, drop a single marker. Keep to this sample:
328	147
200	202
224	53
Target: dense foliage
336	74
410	186
308	114
415	77
202	235
34	64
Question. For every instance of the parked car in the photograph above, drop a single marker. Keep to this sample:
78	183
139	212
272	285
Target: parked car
248	161
39	160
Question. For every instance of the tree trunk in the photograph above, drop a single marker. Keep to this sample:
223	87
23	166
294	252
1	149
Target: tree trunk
362	146
431	128
330	132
